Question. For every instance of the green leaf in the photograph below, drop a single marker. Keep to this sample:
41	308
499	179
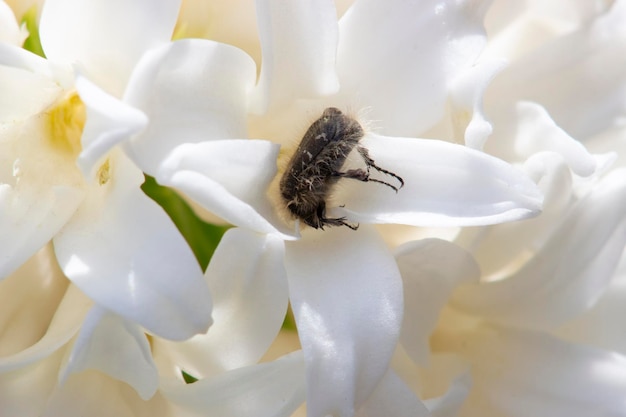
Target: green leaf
32	43
201	236
188	378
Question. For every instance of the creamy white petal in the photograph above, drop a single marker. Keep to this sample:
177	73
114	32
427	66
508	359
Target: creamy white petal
431	269
107	37
124	252
346	294
571	271
554	178
228	178
449	404
578	78
42	312
601	326
29	298
393	398
299	46
24	392
466	93
26	87
538	132
109	122
268	389
526	128
399	58
248	284
94	394
29	218
118	348
9	29
544	377
193	91
444	185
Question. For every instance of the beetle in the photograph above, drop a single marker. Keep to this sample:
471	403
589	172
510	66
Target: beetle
316	166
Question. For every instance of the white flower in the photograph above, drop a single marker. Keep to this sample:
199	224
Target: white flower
112	241
344	286
10	31
118	370
516	309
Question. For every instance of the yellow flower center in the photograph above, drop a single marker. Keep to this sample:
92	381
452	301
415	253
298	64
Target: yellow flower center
66	120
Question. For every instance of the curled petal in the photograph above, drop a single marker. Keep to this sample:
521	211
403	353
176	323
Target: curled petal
192	91
393	398
228	178
275	388
346	294
431	269
120	349
109	122
569	273
466	93
29	219
298	41
544	376
247	280
547	76
554	178
26	391
38	323
433	42
9	29
598	326
125	253
449	404
444	185
107	37
94	394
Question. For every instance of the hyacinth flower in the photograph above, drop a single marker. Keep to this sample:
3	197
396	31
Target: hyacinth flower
514	318
343	285
114	244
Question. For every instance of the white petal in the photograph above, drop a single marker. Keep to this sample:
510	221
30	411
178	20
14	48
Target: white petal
527	129
569	273
29	219
466	93
399	57
42	312
123	251
538	132
107	37
26	88
110	344
563	76
247	280
25	391
109	122
544	377
269	389
554	178
94	394
9	29
192	90
228	178
444	185
393	398
431	269
449	404
599	326
298	41
346	294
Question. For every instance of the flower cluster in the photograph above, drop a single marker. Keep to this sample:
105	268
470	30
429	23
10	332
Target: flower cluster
168	247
